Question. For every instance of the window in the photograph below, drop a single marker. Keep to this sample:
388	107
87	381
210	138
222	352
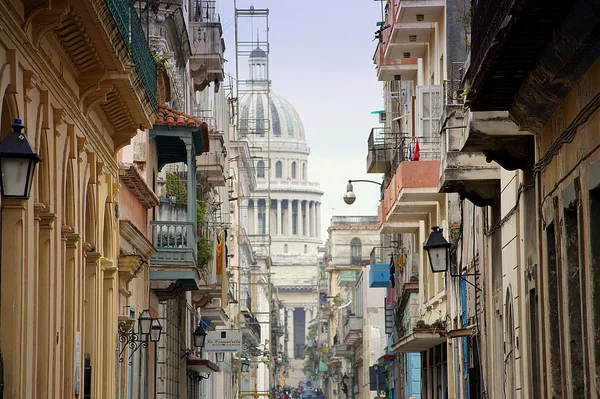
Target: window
278	170
305	248
260	169
293	170
355	251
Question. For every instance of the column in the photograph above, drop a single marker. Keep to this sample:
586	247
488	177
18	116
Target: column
305	219
278	219
289	218
290	330
312	219
306	321
318	232
267	216
191	181
308	218
255	215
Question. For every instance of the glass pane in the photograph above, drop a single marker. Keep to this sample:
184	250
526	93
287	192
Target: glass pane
426	105
14	176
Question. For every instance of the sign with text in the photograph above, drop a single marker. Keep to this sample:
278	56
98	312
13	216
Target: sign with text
223	341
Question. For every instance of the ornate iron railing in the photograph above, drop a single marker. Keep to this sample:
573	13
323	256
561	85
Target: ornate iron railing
175	242
132	32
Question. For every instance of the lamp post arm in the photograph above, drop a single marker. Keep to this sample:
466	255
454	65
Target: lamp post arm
462	277
365	181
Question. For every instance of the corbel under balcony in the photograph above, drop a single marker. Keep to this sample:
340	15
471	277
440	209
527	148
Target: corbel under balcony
469	174
495	135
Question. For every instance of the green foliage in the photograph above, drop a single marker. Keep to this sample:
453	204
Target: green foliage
205	245
161	62
176	188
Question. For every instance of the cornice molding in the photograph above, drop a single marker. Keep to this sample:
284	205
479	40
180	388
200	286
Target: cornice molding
130	266
136	239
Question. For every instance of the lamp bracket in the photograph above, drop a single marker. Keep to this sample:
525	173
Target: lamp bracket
462	277
129	339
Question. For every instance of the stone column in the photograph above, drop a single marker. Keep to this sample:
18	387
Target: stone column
191	181
305	219
290	330
312	219
306	321
318	232
267	216
308	218
289	218
255	215
278	219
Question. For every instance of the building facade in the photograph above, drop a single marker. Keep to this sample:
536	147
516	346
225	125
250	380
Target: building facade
510	183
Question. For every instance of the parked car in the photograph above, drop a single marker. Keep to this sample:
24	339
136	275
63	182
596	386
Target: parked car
309	393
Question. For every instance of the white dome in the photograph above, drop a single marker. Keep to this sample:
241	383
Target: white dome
285	121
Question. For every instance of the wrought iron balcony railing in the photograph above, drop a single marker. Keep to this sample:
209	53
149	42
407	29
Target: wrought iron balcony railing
175	242
132	32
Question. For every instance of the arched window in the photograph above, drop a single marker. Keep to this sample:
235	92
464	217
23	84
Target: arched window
278	170
355	251
260	169
293	170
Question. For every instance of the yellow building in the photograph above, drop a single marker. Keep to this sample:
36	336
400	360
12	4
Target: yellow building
66	71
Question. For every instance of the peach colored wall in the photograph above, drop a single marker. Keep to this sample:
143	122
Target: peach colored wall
416	174
132	210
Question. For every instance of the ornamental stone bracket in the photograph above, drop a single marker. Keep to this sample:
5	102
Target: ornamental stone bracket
130	266
69	236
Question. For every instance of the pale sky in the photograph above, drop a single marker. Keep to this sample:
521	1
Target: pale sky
321	61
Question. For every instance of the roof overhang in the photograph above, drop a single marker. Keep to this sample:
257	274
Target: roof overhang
419	341
200	365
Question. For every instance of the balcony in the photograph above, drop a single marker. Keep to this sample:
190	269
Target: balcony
352	330
467	173
346	278
526	56
410	26
379	272
412	192
496	136
111	62
211	164
379	156
414	334
208	45
341	351
175	242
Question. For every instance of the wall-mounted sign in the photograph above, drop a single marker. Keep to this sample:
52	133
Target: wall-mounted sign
223	341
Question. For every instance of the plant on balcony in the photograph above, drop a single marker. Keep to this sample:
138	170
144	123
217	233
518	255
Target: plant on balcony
205	245
163	79
176	189
439	324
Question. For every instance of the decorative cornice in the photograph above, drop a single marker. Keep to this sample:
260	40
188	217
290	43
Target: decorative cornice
131	177
130	266
92	258
108	268
136	239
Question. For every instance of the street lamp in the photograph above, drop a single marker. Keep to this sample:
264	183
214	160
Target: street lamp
145	320
437	250
439	257
376	368
155	330
149	328
199	336
17	163
245	366
350	197
345	379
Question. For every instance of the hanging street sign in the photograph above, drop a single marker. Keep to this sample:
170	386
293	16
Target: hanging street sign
223	341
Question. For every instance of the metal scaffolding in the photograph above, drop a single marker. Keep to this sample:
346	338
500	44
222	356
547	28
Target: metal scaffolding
253	126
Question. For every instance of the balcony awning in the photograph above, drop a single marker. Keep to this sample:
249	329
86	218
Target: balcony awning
419	341
200	365
169	130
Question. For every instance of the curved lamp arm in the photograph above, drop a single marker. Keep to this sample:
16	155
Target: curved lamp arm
365	181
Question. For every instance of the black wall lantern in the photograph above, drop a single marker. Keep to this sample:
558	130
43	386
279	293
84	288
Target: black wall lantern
437	250
150	327
17	163
199	336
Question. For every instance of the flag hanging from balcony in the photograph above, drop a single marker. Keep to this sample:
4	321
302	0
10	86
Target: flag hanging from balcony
392	271
417	153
